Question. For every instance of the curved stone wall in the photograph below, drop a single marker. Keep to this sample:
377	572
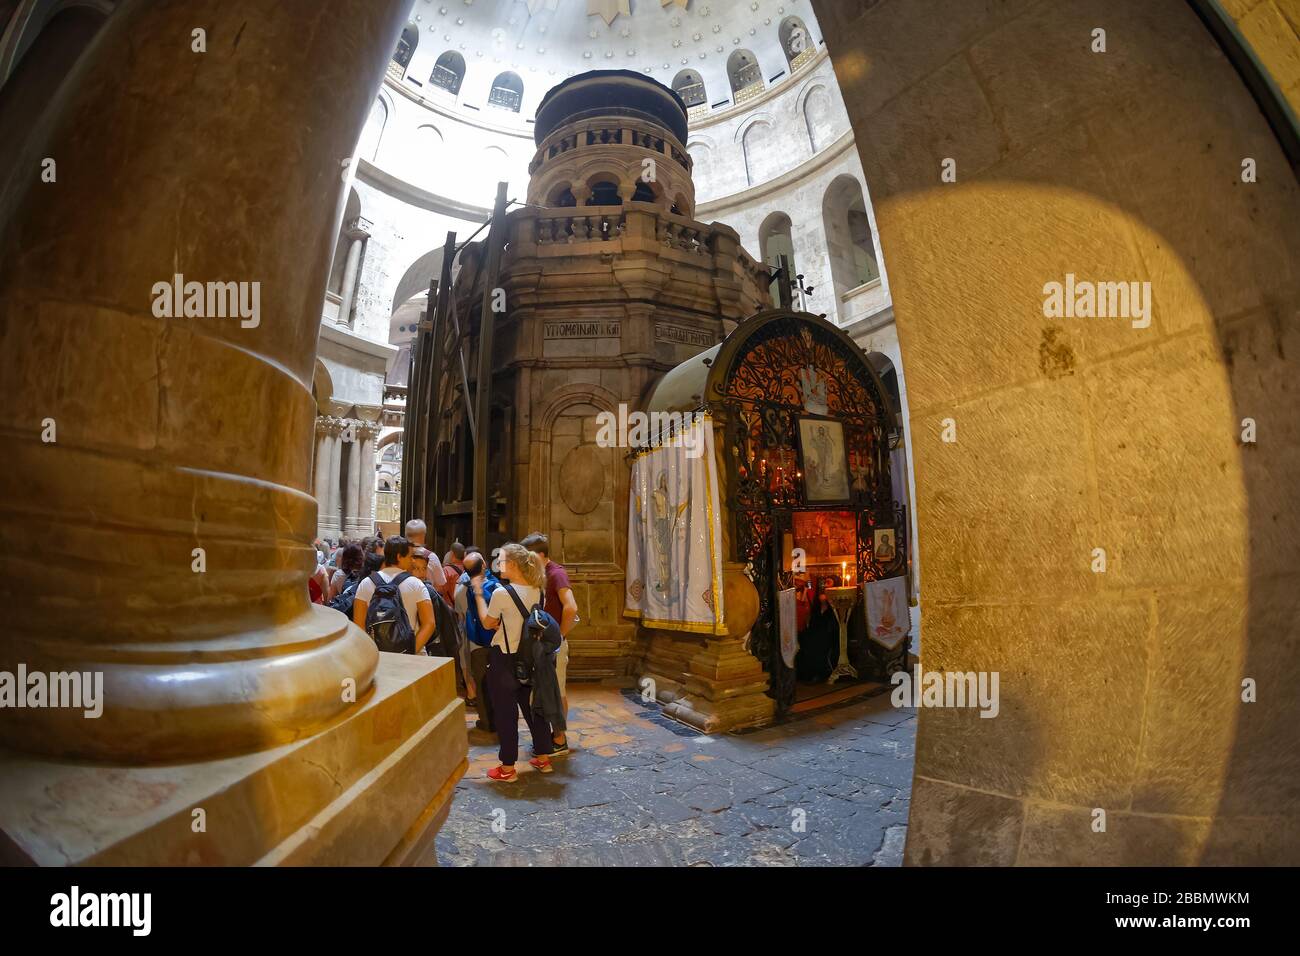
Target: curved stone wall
1122	690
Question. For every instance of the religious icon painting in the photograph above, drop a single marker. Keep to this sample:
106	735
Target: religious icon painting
825	462
884	545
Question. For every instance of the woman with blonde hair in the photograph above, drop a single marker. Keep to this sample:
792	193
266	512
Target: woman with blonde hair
522	574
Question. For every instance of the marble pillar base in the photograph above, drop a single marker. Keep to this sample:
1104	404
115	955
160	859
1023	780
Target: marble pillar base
713	684
371	789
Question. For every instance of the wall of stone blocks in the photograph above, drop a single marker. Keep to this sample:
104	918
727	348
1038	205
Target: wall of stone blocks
1272	28
1122	690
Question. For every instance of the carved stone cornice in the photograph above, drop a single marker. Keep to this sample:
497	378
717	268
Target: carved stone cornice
331	425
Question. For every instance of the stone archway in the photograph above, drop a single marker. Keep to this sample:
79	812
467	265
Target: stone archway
1121	690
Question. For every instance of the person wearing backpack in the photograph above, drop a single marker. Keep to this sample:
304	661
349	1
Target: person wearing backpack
392	606
446	635
351	559
563	607
477	636
523	582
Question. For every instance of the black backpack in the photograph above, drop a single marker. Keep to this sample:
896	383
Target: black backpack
445	641
386	620
540	627
343	600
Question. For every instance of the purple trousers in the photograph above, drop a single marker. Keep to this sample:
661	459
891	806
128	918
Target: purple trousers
509	697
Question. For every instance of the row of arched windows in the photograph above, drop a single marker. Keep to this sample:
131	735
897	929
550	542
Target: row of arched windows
507	91
743	72
850	248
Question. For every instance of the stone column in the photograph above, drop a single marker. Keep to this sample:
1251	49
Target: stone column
334	492
327	476
146	434
358	232
352	514
319	457
367	512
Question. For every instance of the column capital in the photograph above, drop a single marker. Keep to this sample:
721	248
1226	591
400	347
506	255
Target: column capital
359	228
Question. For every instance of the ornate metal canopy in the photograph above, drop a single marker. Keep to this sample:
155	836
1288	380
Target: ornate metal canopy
782	383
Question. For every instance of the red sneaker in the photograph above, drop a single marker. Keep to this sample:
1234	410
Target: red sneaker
503	774
542	764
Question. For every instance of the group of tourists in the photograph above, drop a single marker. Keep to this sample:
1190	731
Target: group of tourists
502	618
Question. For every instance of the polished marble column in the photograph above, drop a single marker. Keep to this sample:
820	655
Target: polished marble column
181	444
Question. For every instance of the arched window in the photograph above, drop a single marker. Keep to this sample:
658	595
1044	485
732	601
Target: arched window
849	240
507	92
689	85
643	192
884	367
448	72
422	163
764	159
797	42
561	197
776	239
405	50
604	193
817	117
493	168
743	72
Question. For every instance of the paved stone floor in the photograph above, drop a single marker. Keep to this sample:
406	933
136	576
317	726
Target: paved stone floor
642	790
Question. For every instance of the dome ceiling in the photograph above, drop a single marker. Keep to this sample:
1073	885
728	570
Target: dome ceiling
661	38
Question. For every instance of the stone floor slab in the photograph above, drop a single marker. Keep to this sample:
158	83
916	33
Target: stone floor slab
831	789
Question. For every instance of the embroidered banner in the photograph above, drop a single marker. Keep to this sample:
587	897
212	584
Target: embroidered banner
888	619
788	612
674	547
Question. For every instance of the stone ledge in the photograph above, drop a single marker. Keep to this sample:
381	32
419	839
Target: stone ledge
365	791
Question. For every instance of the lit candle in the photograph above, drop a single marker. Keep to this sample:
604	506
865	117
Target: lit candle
844	571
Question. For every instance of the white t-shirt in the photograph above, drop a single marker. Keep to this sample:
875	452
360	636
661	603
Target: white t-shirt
501	606
412	591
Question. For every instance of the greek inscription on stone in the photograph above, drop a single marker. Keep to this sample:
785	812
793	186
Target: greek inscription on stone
682	335
583	330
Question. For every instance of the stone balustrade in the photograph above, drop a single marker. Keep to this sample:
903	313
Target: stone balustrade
643	227
627	132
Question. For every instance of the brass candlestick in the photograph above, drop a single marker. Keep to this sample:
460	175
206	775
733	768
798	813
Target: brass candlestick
842	601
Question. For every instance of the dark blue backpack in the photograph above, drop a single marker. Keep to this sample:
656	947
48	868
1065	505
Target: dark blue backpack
343	600
539	626
386	620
